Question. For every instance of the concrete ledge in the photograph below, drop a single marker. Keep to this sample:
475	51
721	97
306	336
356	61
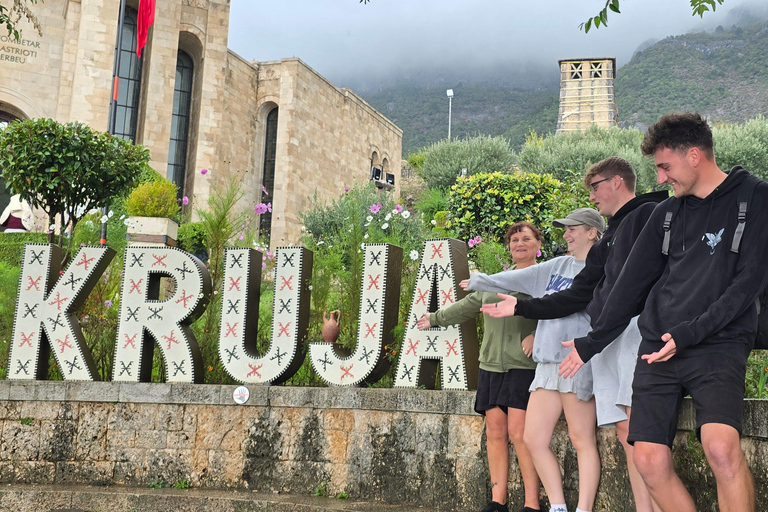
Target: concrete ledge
42	498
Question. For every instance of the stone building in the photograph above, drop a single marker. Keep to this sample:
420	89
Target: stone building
587	94
195	104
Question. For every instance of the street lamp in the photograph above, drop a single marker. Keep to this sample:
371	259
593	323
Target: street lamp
449	92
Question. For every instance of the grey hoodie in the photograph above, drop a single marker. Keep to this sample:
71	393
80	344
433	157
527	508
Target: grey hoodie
539	280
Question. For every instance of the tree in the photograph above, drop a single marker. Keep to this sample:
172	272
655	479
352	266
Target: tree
10	16
601	18
67	169
444	161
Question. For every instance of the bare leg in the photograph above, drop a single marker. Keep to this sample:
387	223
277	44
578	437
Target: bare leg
582	423
643	500
531	482
498	452
654	463
735	489
544	409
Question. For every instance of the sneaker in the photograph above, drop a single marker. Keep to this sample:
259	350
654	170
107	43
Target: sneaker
495	507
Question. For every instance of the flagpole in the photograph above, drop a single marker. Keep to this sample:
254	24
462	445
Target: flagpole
113	103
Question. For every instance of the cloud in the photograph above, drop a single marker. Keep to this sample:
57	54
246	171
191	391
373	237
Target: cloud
349	42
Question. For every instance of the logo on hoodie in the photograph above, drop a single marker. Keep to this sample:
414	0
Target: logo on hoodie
714	239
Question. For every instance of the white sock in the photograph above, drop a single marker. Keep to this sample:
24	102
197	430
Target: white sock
558	508
579	510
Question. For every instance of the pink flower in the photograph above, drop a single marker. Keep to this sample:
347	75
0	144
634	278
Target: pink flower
204	172
185	200
260	208
346	189
398	208
241	237
269	207
107	303
471	243
263	189
375	208
263	265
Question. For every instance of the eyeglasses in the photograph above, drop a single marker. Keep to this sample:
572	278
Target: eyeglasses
594	184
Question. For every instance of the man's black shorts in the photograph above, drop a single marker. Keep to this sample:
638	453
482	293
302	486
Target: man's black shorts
714	380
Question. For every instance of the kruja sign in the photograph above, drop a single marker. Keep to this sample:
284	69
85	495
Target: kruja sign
45	321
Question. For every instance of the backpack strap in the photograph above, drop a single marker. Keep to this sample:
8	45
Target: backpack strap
746	189
668	225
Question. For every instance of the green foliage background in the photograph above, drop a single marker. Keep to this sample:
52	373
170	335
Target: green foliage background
445	160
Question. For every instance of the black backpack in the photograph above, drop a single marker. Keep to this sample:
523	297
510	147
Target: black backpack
746	189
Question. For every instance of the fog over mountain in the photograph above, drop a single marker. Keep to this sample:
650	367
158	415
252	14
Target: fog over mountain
368	47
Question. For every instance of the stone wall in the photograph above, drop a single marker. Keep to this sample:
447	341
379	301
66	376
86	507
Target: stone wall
423	448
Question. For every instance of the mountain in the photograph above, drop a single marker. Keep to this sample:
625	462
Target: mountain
720	74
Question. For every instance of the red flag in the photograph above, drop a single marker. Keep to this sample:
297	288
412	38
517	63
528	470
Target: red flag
145	19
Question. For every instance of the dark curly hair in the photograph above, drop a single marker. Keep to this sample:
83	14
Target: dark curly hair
679	132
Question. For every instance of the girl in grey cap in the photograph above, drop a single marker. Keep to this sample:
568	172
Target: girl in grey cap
552	395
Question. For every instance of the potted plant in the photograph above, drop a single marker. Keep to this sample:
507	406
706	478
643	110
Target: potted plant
152	208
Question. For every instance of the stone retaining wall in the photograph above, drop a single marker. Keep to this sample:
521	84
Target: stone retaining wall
424	448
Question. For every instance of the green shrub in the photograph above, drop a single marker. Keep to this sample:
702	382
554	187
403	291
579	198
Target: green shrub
443	161
557	155
489	203
433	200
745	144
490	256
12	245
154	199
192	237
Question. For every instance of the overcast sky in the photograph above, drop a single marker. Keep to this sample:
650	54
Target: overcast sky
345	40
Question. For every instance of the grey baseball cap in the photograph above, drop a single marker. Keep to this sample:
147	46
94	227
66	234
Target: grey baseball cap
582	216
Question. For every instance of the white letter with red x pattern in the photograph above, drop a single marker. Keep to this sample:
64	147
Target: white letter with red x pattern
379	302
240	315
46	312
454	348
143	316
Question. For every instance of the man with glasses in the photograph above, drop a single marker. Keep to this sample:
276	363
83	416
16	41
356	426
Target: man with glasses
611	185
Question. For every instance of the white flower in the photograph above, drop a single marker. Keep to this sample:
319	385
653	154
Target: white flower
122	217
110	214
389	216
395	212
93	210
366	224
320	242
303	228
362	245
385	225
51	227
406	214
104	219
369	218
366	236
414	255
433	221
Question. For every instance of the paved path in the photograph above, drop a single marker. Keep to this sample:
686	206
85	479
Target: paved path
70	498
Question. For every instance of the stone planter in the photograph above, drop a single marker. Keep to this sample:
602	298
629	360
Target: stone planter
152	231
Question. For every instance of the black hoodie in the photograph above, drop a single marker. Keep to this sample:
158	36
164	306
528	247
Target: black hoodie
592	285
702	293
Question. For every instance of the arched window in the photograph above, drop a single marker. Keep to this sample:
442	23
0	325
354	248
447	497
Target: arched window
6	119
268	178
130	81
182	100
5	195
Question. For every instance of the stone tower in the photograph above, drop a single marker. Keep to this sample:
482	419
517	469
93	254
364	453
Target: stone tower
586	94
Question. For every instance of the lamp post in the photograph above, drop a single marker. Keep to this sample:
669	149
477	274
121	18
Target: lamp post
449	92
